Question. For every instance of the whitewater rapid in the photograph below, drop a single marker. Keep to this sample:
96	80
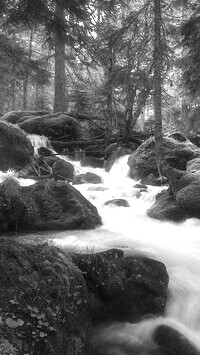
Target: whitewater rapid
177	245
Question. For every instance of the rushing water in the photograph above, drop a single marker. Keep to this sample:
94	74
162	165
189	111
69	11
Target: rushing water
177	245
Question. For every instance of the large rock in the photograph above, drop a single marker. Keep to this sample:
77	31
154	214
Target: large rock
15	148
177	152
17	116
166	208
43	301
123	288
53	126
183	199
46	205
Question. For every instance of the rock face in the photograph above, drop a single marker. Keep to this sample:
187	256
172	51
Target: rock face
53	126
15	148
17	116
43	301
177	152
123	288
47	205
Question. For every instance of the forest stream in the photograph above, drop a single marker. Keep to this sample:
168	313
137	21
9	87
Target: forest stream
177	245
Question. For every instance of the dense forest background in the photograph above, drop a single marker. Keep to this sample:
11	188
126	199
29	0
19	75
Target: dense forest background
97	58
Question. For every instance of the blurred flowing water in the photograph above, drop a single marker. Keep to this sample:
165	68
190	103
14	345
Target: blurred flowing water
177	245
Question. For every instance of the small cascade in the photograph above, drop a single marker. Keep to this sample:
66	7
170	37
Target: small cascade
39	141
177	245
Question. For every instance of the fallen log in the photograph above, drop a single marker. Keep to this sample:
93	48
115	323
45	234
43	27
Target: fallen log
78	144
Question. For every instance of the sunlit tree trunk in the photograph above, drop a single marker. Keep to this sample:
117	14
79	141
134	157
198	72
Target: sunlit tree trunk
59	97
130	95
26	78
158	84
109	96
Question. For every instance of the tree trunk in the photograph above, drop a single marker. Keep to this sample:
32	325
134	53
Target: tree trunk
130	95
158	84
59	96
26	76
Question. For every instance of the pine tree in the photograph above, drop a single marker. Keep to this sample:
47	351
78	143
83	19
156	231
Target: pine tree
54	17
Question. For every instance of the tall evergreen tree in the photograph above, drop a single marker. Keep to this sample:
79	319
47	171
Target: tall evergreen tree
157	64
54	15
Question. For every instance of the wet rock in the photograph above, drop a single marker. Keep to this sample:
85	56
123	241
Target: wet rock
53	126
46	205
88	177
43	301
173	342
19	116
123	288
15	148
177	152
44	152
120	202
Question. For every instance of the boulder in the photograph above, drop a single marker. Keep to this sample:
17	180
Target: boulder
123	288
46	205
53	126
120	202
88	177
18	116
43	301
172	342
15	148
177	152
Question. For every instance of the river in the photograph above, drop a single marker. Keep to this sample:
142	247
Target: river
177	245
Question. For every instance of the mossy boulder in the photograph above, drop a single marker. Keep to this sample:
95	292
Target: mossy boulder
53	126
46	205
43	301
177	151
15	148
